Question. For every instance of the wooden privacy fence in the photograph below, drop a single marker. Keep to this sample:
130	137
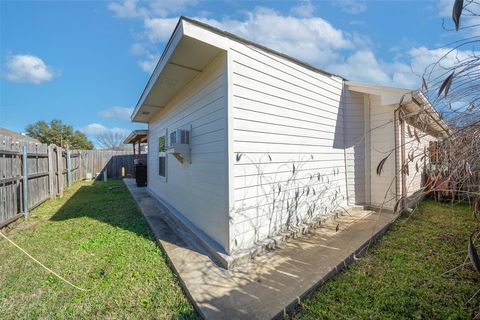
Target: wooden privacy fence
31	173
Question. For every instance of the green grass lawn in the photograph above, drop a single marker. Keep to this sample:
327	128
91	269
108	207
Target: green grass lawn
403	275
96	238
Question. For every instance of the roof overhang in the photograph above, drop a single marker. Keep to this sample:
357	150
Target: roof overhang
186	55
414	103
137	136
388	95
421	106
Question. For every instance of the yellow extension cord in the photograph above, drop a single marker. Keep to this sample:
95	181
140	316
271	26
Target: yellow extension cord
42	265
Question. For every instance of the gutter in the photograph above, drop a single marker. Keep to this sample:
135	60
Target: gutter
427	103
398	122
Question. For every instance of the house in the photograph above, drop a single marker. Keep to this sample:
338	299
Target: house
246	144
17	136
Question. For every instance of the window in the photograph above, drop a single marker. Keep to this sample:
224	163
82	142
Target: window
173	137
162	161
161	166
161	145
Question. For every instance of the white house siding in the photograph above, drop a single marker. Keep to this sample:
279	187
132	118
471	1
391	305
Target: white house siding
288	141
416	153
198	190
355	146
382	144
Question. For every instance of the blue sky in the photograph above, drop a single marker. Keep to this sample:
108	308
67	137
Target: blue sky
87	62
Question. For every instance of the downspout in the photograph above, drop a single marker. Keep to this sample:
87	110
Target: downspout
395	126
367	148
402	141
399	122
345	142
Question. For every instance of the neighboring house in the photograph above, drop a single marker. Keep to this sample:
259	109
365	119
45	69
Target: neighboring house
17	136
246	143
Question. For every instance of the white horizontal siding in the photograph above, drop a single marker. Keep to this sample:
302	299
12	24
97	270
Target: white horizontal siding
416	157
284	116
382	143
197	190
355	146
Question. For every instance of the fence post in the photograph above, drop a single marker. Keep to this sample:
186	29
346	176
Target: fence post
60	171
25	181
51	172
69	168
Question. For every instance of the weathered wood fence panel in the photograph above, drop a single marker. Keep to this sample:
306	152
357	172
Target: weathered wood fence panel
48	172
10	175
37	173
96	161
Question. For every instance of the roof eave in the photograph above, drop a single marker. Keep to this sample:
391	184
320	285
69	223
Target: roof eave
172	41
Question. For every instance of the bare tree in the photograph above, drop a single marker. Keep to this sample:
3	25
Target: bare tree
452	85
111	140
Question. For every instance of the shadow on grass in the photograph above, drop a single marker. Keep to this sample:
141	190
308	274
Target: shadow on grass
111	203
107	202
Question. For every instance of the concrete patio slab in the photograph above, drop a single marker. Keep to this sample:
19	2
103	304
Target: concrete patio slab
276	281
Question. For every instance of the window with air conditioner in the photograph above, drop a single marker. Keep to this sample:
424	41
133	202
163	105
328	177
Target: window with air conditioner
179	145
179	136
184	136
173	138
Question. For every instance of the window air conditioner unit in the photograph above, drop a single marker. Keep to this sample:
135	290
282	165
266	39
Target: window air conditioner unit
179	145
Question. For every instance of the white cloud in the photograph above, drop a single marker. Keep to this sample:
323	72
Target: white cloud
138	49
351	6
96	129
126	9
159	29
116	112
149	63
422	57
28	69
445	7
301	35
312	39
153	8
305	9
362	66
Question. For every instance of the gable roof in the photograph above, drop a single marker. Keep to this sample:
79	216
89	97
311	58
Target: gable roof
174	65
259	46
178	64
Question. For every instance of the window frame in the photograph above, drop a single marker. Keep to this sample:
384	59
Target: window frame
162	153
172	138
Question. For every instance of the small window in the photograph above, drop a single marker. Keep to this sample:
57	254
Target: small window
162	156
161	144
161	166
